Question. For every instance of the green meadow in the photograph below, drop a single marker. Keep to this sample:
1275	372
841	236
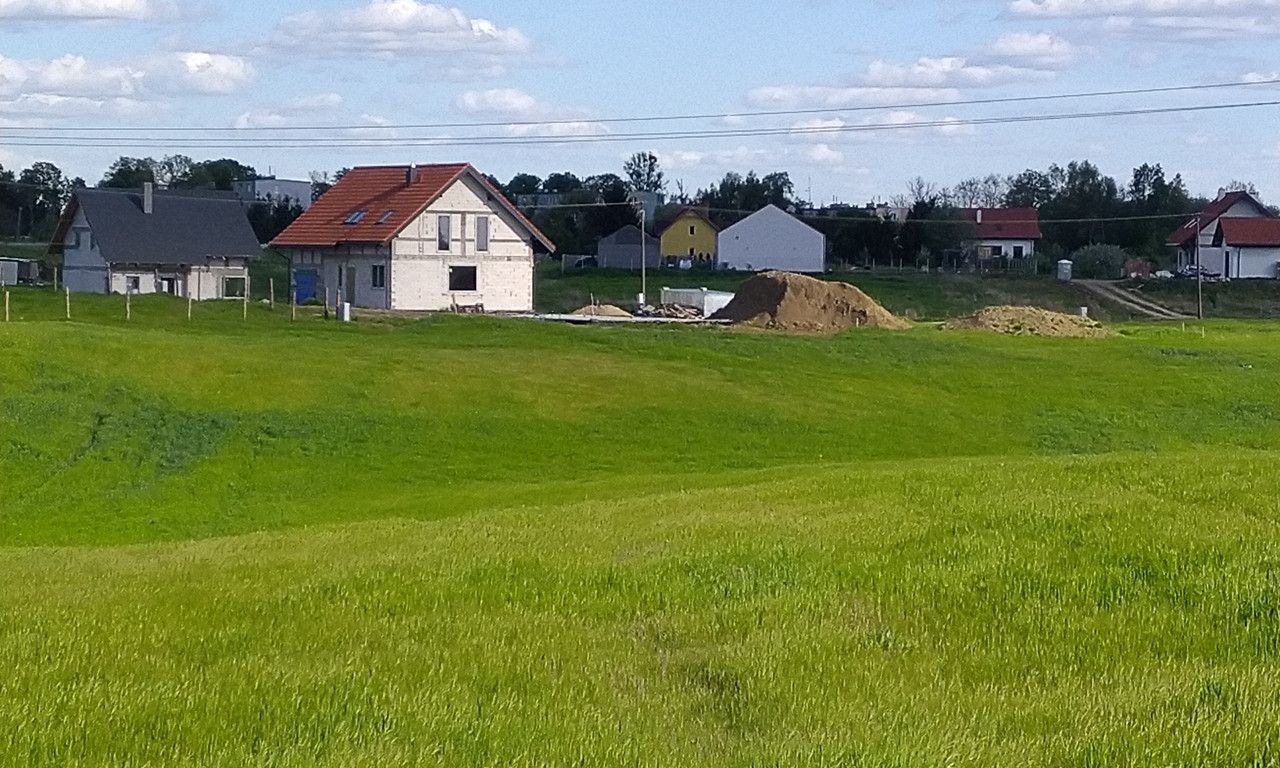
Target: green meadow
480	542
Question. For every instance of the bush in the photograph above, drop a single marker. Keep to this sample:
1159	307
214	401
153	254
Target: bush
1100	262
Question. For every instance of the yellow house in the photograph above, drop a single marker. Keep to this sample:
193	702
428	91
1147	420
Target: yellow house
691	235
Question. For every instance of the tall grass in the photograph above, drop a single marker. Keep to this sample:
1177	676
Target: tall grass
474	542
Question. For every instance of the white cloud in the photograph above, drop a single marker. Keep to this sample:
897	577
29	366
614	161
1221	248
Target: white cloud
473	47
1039	48
83	10
42	105
212	73
1172	20
261	119
837	97
1261	77
947	71
68	76
535	117
823	154
315	103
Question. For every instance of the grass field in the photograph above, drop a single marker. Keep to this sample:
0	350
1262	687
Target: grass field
465	541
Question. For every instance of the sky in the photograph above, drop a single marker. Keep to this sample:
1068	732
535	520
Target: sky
80	72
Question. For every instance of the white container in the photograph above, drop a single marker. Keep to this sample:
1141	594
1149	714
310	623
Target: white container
344	312
1066	270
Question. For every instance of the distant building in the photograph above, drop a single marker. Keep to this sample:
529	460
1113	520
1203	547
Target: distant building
269	189
622	250
689	235
1004	233
771	238
1250	248
889	212
1202	230
14	270
408	237
155	241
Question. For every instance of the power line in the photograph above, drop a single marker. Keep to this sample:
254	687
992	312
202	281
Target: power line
666	118
480	141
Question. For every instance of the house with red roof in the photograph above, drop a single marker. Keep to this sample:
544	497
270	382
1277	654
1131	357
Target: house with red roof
1250	247
410	237
1195	239
1003	233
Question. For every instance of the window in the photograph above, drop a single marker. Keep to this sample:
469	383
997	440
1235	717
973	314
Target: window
356	217
693	230
378	276
233	287
462	279
73	240
444	234
386	217
1019	251
997	251
132	284
482	234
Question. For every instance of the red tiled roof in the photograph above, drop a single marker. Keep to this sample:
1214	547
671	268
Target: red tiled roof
1248	233
1187	232
390	203
1005	223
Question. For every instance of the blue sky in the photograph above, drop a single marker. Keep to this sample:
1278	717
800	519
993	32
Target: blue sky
366	64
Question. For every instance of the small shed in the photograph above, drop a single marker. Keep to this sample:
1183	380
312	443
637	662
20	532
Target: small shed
623	250
14	270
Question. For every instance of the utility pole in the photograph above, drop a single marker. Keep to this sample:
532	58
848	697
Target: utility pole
1199	275
644	267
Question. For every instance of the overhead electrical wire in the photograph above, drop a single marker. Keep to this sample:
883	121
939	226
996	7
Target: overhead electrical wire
831	109
480	141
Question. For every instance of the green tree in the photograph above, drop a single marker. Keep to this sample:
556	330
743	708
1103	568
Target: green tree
645	173
524	184
129	173
561	184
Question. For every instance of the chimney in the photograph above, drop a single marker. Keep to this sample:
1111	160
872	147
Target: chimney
412	176
148	198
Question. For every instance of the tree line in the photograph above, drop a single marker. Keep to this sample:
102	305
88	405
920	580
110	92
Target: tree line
1078	204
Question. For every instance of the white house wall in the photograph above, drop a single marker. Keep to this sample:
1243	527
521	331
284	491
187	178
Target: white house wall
1007	247
1251	263
419	277
83	268
772	239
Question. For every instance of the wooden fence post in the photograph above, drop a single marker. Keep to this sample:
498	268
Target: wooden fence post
128	306
293	305
190	302
271	282
68	293
55	279
6	305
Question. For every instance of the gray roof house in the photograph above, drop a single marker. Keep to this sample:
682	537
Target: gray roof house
155	241
622	250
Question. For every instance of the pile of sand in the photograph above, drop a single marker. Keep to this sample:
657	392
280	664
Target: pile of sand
789	302
1028	321
602	310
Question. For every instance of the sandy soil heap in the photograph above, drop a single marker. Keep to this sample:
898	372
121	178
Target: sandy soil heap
1027	321
790	302
602	310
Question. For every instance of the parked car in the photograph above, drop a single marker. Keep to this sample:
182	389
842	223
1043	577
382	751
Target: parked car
1198	270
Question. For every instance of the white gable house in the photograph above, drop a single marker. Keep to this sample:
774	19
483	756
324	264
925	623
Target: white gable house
772	239
428	238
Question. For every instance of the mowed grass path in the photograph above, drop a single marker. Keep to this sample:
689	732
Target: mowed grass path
478	542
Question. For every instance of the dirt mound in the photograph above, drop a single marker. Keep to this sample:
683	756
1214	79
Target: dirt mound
1028	321
789	302
602	310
